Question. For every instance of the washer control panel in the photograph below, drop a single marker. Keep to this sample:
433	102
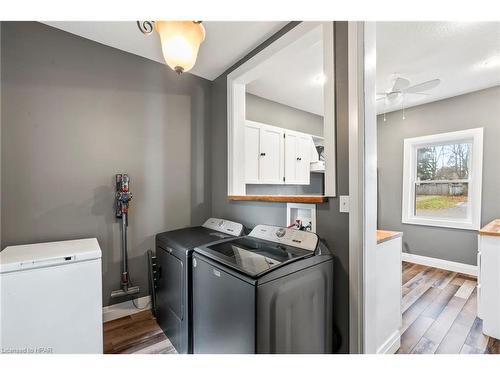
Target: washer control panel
224	226
286	236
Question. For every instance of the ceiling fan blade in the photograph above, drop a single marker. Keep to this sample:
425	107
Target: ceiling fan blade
424	86
400	84
418	93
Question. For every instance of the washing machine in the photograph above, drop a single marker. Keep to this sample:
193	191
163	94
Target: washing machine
268	292
173	280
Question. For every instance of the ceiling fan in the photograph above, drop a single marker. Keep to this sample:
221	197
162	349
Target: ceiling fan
402	87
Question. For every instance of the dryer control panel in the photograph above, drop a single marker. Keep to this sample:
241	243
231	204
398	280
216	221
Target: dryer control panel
286	236
224	226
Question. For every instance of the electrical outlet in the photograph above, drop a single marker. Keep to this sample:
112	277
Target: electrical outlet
344	203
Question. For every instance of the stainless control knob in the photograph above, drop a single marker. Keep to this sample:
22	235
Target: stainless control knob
280	232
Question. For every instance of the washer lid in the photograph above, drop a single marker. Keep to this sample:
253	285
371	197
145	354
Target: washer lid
186	239
253	256
21	257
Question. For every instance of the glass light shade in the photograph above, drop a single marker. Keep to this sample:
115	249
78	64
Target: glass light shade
180	41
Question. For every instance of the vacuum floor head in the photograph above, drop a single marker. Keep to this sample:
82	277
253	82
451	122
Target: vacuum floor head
125	292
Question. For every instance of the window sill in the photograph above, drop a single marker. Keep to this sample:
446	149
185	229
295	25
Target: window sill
442	223
280	198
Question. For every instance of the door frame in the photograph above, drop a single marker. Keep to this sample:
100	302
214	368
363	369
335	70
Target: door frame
362	186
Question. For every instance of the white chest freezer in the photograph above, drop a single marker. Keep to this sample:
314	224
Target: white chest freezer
50	298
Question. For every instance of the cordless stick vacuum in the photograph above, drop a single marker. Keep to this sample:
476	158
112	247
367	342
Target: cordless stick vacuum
122	199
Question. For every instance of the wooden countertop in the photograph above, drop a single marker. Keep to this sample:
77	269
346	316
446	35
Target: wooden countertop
491	229
280	198
387	235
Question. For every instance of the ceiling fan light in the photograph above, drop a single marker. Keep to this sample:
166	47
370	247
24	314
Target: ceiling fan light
180	42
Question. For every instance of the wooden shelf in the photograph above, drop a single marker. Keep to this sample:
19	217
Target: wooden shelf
280	198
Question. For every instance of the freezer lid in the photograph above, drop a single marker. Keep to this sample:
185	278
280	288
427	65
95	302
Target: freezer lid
22	257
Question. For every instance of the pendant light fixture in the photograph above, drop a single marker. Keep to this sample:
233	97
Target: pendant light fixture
180	41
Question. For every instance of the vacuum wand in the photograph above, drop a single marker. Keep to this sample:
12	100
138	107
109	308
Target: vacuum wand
122	199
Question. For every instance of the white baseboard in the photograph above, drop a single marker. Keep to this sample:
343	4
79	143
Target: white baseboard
392	344
467	269
120	310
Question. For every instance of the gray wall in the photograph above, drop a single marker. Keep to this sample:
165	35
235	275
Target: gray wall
76	112
277	114
332	225
477	109
315	187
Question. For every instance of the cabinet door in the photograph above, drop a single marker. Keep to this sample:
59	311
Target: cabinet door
297	158
303	159
291	146
271	155
291	152
252	153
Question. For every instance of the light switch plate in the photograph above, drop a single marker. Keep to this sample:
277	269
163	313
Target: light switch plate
344	203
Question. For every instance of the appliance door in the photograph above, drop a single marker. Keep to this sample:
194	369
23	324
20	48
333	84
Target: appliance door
54	309
171	301
223	311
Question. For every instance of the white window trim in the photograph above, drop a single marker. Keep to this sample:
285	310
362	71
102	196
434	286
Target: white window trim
473	221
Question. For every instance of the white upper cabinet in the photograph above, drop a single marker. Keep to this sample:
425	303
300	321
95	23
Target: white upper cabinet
263	154
271	155
297	158
252	153
275	155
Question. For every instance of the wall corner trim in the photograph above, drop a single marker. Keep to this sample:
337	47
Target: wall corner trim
119	310
392	344
467	269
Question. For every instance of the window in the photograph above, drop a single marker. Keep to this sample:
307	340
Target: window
442	176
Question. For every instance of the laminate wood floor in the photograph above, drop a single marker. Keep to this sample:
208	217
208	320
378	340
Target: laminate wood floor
439	316
439	313
138	333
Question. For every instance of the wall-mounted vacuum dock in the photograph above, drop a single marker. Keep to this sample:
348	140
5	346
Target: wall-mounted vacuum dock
122	199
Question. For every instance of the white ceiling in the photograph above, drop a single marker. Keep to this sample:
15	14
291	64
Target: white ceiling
224	45
291	75
465	56
454	52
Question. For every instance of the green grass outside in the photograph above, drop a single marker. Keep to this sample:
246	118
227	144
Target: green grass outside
438	202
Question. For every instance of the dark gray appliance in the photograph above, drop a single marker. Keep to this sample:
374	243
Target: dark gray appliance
173	283
268	292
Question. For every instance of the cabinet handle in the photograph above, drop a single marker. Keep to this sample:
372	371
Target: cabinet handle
262	154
